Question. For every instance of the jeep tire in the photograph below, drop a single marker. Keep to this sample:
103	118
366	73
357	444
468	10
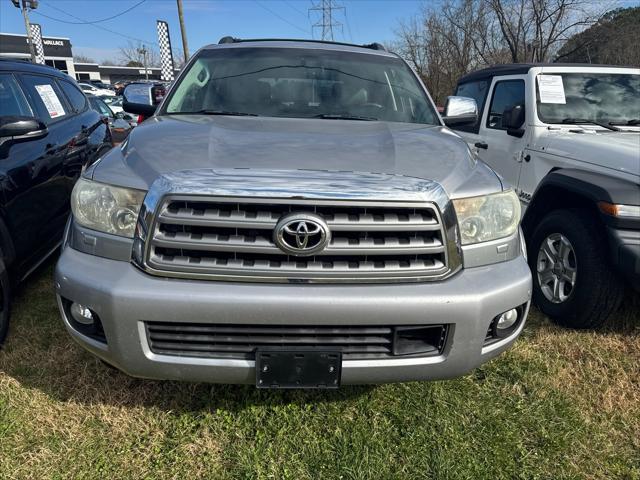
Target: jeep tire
593	291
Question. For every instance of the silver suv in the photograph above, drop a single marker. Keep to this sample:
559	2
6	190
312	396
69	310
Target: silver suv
294	215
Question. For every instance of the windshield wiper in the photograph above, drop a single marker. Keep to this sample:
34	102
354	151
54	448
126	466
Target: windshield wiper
578	121
337	116
218	112
632	122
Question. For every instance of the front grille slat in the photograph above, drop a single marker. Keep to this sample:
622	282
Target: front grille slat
269	330
186	216
387	222
241	341
338	246
273	340
233	239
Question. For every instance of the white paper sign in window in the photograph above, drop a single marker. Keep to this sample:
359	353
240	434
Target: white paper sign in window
551	89
50	100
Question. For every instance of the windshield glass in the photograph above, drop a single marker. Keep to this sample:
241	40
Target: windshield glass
302	83
599	97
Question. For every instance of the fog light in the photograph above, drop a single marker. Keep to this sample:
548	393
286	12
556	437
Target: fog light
81	314
507	319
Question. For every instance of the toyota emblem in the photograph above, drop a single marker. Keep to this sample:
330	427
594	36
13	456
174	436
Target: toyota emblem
301	234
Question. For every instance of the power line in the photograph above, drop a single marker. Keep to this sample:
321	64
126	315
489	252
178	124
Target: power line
93	22
296	8
280	17
327	23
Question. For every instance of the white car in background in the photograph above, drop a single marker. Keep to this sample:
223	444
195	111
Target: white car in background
115	104
93	90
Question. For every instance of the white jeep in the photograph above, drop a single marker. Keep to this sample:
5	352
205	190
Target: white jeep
567	137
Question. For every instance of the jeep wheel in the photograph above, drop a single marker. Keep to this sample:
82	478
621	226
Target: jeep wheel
5	303
573	282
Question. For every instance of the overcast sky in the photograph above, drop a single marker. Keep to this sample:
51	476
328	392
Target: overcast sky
363	21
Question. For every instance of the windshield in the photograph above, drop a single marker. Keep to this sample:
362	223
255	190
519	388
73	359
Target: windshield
302	83
597	97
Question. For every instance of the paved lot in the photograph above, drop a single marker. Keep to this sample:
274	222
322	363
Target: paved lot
561	404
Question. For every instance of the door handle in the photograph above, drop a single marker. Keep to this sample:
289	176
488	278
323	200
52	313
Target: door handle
527	158
482	145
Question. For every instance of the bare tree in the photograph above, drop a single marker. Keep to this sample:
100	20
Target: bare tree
613	40
454	37
83	59
447	41
178	58
534	30
139	54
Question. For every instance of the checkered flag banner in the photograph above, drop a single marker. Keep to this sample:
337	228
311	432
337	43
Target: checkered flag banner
36	36
166	57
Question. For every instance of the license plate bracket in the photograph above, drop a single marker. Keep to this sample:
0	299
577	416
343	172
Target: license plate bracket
288	369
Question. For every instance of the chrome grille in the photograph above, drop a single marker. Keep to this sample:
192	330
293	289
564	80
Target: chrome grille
232	239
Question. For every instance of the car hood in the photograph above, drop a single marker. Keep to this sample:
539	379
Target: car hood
617	151
168	144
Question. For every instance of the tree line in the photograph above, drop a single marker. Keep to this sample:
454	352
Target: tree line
451	38
136	55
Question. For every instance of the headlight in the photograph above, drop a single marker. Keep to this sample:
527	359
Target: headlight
106	208
487	217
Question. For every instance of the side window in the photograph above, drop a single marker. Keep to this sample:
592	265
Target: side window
506	94
478	91
12	99
47	98
75	96
99	106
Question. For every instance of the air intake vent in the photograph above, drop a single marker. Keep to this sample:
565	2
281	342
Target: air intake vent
241	341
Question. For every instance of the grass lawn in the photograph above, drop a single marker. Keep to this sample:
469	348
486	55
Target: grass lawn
560	404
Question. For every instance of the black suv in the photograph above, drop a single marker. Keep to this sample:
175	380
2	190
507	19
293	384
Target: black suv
48	134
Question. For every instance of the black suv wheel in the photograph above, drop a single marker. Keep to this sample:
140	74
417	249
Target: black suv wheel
573	282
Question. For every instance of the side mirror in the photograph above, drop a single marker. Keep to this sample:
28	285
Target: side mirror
513	120
119	115
138	99
21	128
460	111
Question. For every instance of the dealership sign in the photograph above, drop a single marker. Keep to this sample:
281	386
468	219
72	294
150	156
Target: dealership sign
18	44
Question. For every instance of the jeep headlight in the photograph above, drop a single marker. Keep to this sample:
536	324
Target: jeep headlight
487	217
106	208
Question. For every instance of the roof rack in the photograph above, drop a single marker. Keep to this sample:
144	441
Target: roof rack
230	39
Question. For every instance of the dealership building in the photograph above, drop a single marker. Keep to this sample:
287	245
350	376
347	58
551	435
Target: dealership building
58	53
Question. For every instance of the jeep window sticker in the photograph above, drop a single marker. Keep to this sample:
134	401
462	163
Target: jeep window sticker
551	89
50	100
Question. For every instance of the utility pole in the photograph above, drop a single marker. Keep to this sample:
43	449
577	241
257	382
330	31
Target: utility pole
183	31
327	7
143	51
25	5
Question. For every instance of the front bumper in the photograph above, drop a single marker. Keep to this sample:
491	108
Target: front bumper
125	298
625	253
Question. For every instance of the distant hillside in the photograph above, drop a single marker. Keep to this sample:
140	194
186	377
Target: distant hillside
613	40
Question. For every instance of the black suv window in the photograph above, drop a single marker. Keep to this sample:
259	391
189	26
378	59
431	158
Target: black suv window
506	94
12	100
47	97
478	91
75	96
101	107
